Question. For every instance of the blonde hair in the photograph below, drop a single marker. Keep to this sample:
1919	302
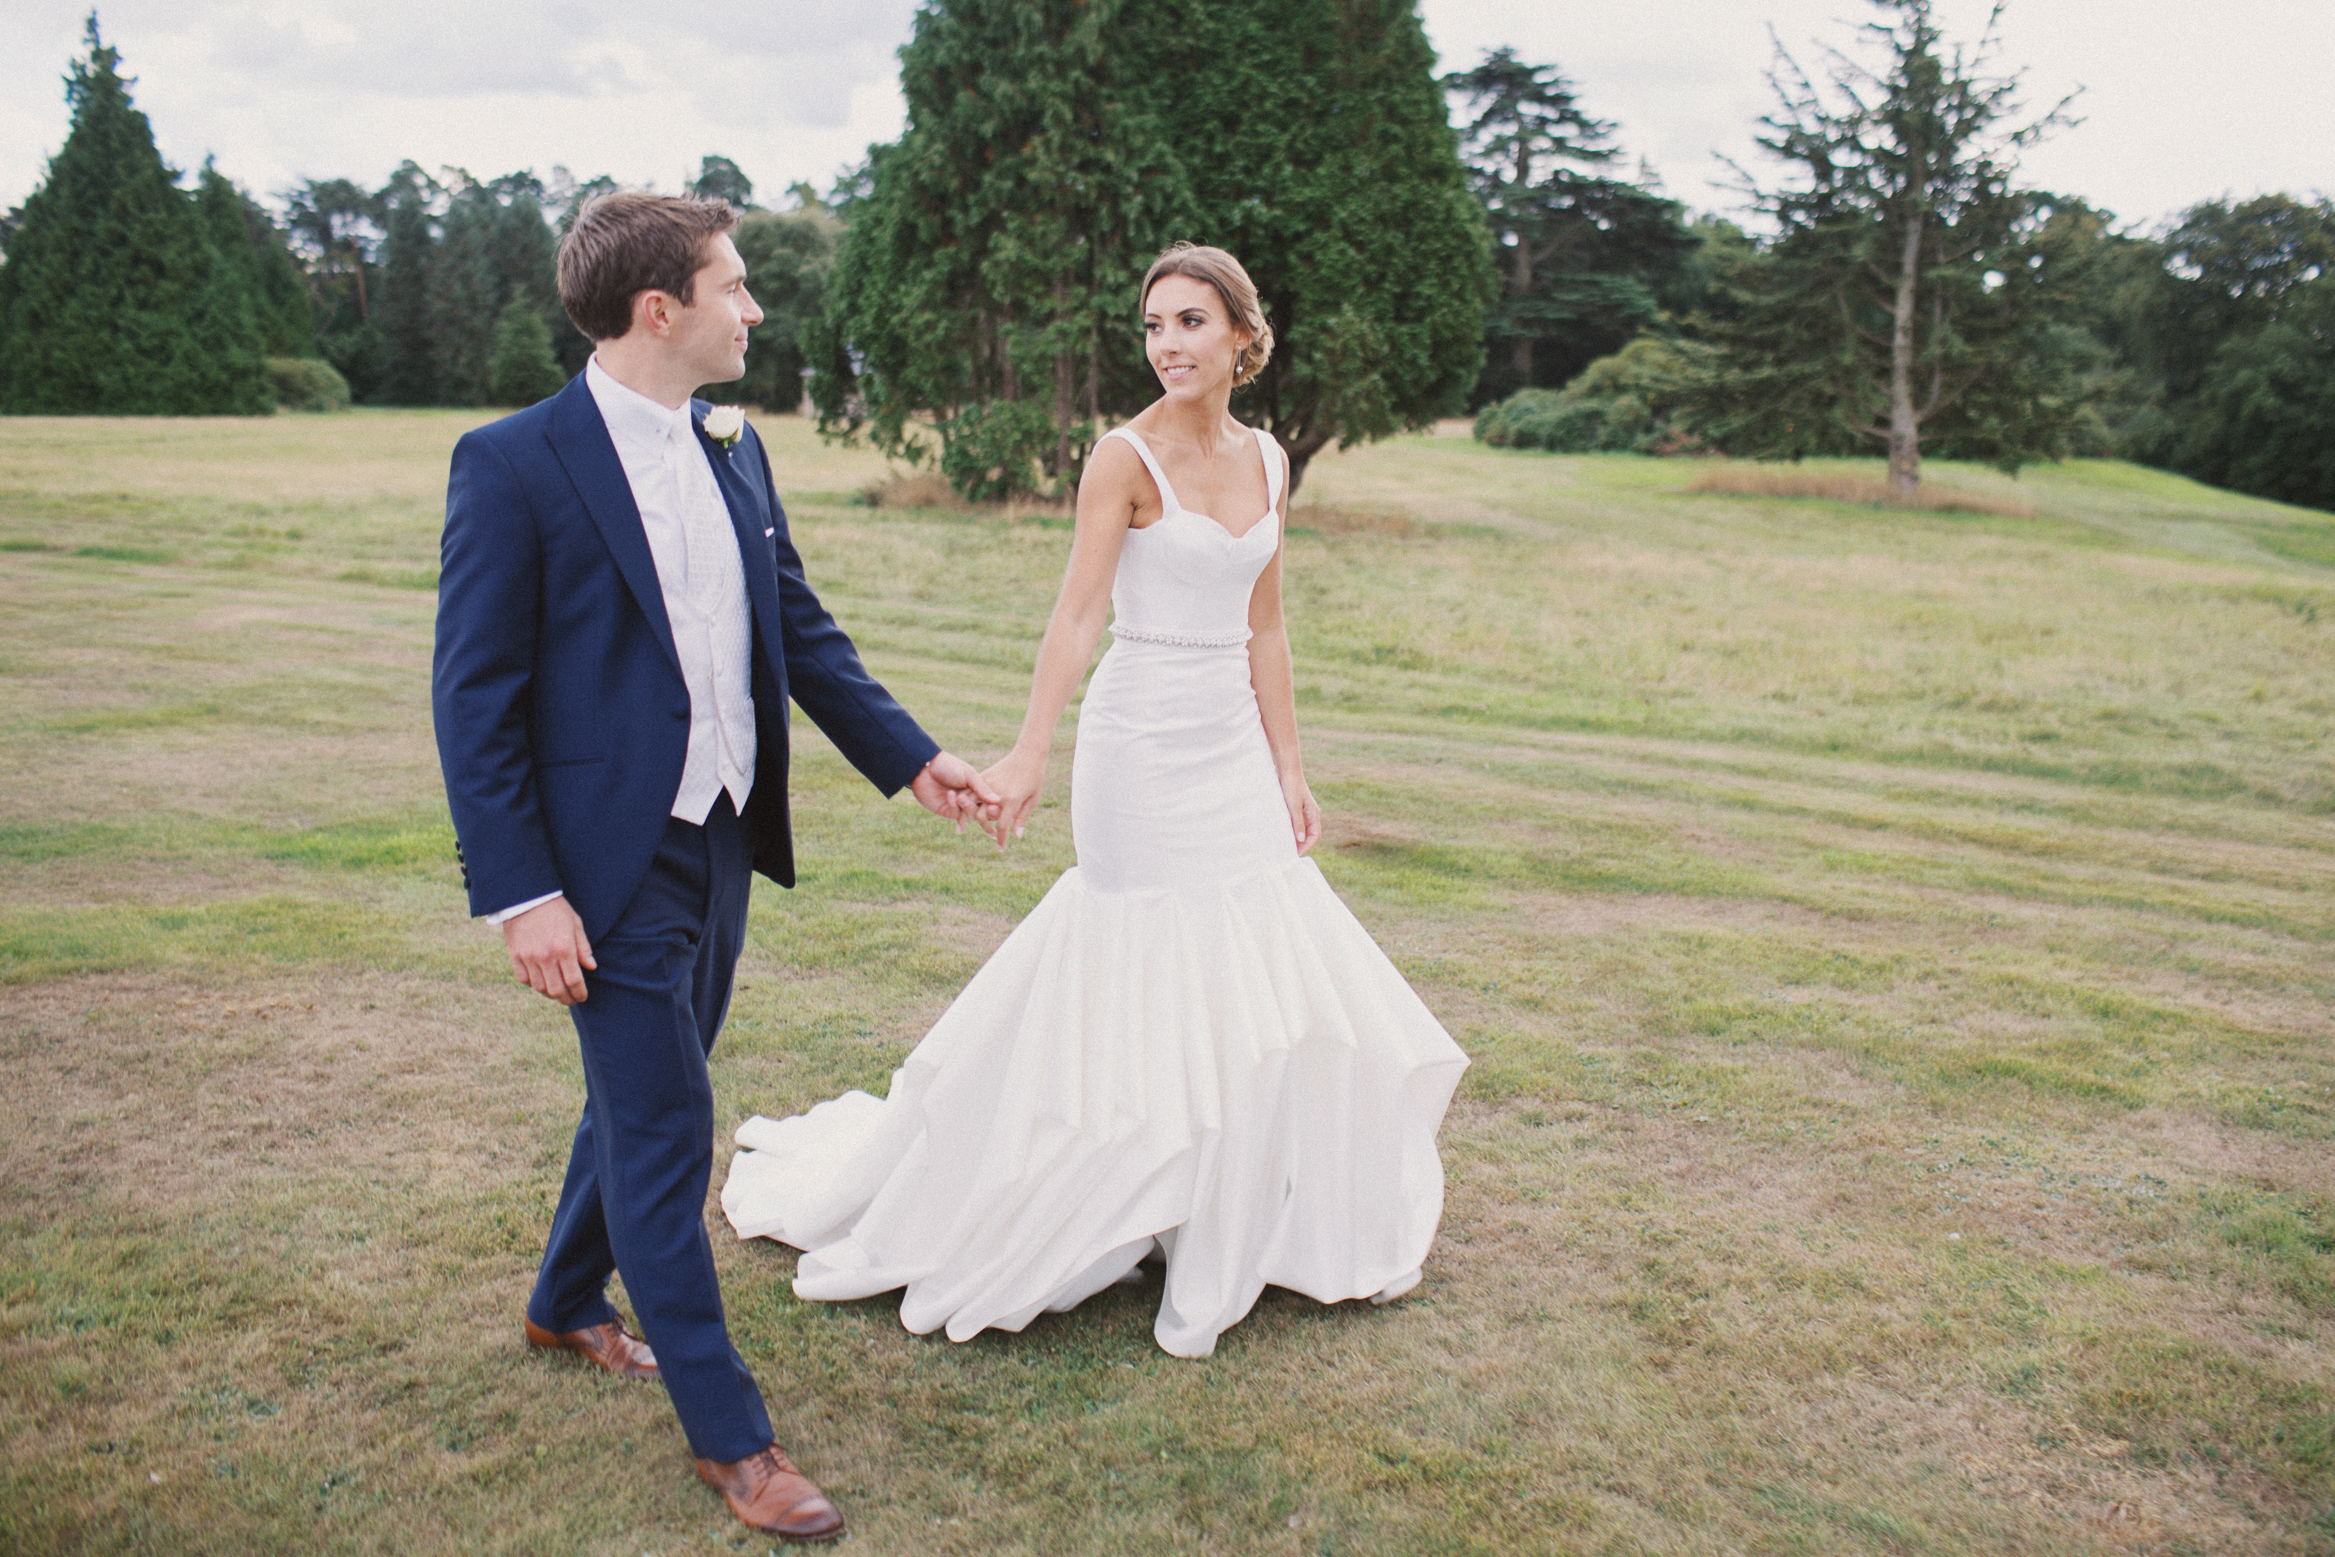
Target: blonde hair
1221	271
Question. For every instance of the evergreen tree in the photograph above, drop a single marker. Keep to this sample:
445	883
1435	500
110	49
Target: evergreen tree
718	178
563	198
494	247
1587	262
403	309
995	252
523	369
1913	292
1052	149
256	264
1317	142
111	300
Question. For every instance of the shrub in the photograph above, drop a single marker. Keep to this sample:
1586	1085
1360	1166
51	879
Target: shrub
1632	401
307	384
523	369
990	452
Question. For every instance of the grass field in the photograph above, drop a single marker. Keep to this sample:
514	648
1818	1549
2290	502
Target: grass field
1897	951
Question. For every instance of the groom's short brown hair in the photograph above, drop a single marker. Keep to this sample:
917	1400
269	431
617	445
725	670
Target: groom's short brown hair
629	242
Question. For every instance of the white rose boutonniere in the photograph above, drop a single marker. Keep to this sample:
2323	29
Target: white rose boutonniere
725	424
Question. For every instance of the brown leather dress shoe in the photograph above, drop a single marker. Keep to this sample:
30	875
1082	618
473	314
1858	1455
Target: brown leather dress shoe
769	1494
605	1346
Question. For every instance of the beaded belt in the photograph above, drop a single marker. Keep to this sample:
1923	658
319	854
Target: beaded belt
1182	640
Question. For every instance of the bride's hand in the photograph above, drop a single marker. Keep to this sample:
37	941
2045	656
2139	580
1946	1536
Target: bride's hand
1016	780
1305	816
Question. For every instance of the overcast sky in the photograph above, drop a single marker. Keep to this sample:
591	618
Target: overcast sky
2181	101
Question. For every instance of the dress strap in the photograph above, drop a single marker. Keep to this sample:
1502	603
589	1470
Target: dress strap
1167	494
1272	453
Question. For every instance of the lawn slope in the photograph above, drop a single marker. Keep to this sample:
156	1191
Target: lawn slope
1897	951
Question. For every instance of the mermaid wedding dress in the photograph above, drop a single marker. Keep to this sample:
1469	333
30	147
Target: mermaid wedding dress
1188	1046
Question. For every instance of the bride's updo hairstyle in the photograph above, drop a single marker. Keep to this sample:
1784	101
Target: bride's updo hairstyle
1221	271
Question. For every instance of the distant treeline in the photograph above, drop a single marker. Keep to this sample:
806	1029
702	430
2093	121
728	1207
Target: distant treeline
442	290
124	292
965	293
1912	298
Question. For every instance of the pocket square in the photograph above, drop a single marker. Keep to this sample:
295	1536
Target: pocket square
767	534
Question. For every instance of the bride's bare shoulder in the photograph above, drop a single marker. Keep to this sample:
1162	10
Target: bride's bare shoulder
1115	476
1111	464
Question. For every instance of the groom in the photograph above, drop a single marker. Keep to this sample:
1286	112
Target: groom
621	621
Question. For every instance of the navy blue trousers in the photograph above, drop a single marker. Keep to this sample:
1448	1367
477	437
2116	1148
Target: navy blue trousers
634	1200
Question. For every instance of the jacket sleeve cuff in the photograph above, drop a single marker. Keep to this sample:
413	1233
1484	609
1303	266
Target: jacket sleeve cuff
516	909
916	756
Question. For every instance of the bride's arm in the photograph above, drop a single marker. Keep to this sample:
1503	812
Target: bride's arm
1109	491
1270	673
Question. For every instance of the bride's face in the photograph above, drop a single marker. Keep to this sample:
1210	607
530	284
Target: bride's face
1190	340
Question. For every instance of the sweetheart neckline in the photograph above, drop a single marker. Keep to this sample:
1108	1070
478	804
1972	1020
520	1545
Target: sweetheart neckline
1269	516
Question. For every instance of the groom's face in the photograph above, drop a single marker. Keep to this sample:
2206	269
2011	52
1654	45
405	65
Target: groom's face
710	334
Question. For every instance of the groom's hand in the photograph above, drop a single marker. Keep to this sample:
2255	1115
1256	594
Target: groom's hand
953	790
548	950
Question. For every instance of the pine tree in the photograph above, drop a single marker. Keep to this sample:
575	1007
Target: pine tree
402	308
110	301
523	370
255	264
718	178
1586	261
494	247
1913	295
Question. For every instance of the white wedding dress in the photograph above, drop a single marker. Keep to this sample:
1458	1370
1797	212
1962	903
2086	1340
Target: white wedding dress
1188	1046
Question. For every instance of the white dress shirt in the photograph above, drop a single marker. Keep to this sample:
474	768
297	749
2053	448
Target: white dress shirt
704	584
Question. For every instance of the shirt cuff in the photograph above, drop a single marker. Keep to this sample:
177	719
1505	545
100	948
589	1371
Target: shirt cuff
516	909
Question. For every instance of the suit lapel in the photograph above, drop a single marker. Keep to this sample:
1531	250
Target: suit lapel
580	439
750	518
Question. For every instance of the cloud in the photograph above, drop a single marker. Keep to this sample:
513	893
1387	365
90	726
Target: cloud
2183	103
282	91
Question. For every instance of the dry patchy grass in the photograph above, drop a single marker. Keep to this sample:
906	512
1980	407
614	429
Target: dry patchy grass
1835	486
1893	946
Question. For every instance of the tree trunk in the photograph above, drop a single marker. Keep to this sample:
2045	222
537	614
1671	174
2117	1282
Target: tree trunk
1300	451
1905	431
1520	285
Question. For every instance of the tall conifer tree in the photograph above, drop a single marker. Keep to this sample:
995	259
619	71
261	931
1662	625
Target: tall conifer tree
403	311
1320	150
494	248
112	299
988	271
252	251
1586	261
992	262
1914	294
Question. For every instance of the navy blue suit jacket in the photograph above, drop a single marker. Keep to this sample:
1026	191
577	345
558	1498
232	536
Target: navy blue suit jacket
562	718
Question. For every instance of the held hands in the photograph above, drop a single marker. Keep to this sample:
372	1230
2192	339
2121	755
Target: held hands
1305	817
548	950
1017	778
950	789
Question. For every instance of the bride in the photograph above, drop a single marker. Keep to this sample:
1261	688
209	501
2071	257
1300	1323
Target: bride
1189	1049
